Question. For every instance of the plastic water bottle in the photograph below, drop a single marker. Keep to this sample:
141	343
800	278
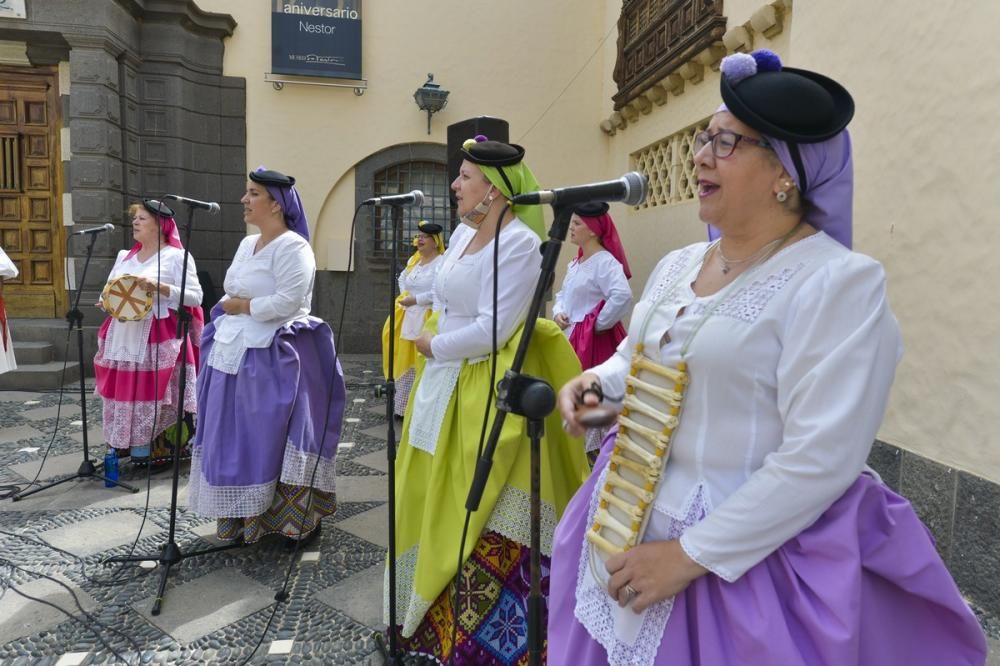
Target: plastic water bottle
110	468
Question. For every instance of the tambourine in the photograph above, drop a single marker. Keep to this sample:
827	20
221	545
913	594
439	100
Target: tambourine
125	300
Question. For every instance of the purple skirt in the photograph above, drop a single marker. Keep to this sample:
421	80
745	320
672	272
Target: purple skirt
862	586
277	419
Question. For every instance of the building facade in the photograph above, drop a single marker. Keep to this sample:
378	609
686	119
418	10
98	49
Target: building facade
162	95
105	103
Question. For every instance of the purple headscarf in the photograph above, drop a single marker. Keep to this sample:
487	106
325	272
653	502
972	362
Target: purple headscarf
291	206
823	107
829	171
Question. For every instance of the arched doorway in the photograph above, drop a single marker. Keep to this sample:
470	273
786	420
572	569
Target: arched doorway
395	170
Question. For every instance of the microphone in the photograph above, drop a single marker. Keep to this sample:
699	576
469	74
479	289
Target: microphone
94	230
414	198
629	189
210	206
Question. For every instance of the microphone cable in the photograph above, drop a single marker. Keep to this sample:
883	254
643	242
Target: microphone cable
347	278
490	398
10	490
597	50
116	575
80	560
89	625
282	595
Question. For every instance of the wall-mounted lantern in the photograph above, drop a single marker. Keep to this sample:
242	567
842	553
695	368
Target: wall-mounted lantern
431	98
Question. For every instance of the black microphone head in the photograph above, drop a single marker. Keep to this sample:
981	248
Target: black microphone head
418	198
636	188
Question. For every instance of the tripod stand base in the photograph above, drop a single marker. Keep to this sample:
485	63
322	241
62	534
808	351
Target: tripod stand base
383	645
170	554
87	470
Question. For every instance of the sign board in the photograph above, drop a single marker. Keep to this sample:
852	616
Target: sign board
12	9
316	38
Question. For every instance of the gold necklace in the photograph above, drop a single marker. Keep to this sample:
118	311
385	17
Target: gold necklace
654	398
727	264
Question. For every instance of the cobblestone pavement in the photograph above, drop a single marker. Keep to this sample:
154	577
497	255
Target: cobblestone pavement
216	606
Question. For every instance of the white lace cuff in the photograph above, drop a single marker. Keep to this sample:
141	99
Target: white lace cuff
692	551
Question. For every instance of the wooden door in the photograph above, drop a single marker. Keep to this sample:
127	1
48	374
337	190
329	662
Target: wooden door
31	229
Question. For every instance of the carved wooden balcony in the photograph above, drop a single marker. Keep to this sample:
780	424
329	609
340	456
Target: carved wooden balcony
656	37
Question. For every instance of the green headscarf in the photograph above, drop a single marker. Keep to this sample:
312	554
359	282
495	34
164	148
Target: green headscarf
502	165
521	180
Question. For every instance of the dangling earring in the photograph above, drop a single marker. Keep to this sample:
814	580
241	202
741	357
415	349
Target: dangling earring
782	197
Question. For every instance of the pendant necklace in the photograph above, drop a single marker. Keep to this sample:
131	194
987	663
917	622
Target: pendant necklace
727	264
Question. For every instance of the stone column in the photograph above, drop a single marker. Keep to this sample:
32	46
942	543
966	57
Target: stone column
96	170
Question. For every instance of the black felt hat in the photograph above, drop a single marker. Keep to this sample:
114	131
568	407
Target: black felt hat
272	178
793	105
157	207
592	209
431	228
493	153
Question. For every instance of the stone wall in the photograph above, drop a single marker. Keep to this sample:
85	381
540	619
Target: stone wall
962	512
146	111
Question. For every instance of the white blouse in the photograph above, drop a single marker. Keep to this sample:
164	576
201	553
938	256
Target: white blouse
588	282
7	271
419	281
789	376
463	292
789	380
278	280
126	340
7	268
463	296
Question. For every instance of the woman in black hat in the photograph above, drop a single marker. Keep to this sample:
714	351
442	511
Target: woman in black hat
595	295
271	393
445	420
413	306
137	366
742	526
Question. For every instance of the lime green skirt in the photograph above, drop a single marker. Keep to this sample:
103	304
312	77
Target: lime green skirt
431	489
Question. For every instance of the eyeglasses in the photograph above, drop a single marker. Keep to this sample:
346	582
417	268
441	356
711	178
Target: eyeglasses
724	142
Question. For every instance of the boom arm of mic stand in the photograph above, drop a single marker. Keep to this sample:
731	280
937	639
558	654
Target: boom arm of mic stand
550	255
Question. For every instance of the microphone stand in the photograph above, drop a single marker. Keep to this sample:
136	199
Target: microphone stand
170	553
534	399
87	470
391	652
